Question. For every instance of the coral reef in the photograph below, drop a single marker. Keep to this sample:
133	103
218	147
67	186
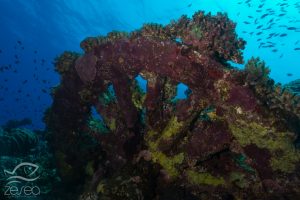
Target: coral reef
17	142
294	86
232	138
22	145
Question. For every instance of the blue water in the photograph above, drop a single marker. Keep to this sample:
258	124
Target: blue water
34	32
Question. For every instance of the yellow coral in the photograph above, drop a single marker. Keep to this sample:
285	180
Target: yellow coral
168	163
173	128
280	144
204	178
100	187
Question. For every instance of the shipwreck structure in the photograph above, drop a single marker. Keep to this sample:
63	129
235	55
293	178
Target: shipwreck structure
233	137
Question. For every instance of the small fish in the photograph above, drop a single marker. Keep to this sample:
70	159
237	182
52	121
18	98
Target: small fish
267	46
261	5
264	15
289	74
189	5
19	42
274	50
259	33
269	27
271	20
0	51
245	22
44	91
283	35
35	52
281	15
291	28
297	49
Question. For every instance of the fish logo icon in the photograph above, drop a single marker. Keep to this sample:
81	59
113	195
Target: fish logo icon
29	169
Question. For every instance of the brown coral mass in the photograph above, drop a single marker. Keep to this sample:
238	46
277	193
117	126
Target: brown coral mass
209	145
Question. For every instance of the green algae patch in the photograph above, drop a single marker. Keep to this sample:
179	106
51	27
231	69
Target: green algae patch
173	128
280	144
204	178
168	163
153	139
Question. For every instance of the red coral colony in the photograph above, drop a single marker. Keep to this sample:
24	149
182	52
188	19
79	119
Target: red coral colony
233	137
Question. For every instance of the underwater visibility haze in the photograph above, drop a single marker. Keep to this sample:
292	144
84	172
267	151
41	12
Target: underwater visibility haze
147	99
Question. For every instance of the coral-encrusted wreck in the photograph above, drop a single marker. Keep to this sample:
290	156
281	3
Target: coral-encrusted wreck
232	138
